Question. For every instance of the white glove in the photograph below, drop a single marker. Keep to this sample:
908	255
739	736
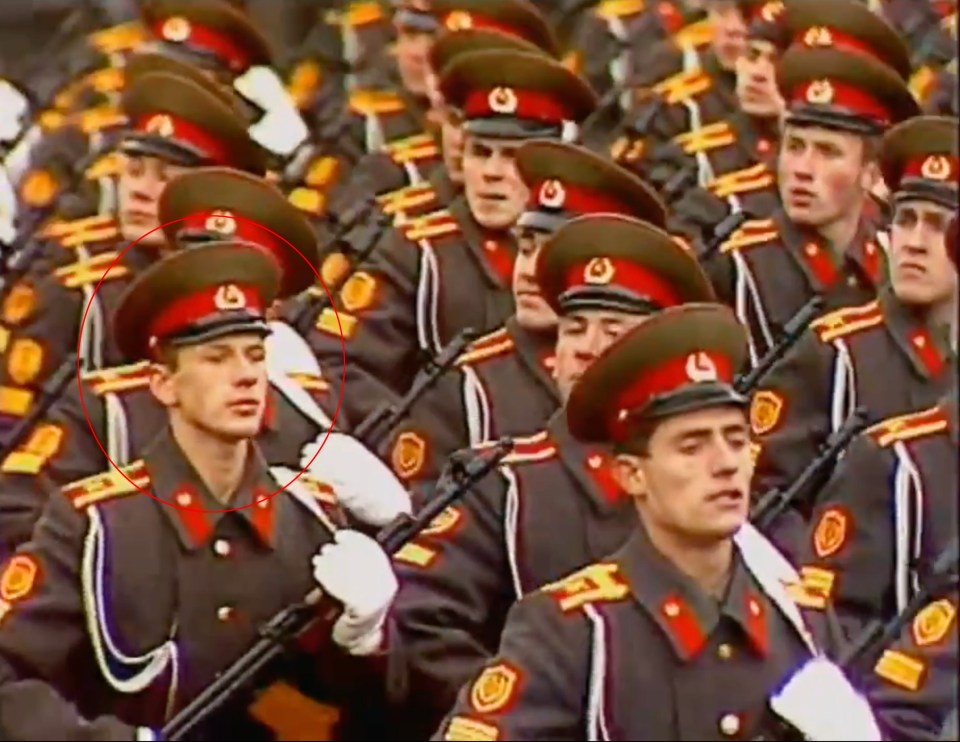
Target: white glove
281	130
364	485
13	105
356	571
8	209
820	702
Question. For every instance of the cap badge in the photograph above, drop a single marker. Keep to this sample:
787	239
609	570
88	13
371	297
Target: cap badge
599	272
459	20
935	167
818	36
820	91
176	29
161	124
552	194
700	368
222	222
229	296
503	100
772	10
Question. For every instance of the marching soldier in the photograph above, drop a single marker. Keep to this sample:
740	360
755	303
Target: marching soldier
141	584
504	383
687	630
908	328
449	269
176	123
841	97
605	275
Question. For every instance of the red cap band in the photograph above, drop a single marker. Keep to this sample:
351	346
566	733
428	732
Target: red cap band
669	376
172	127
823	36
224	223
835	93
622	273
521	104
461	20
213	300
553	194
941	168
179	30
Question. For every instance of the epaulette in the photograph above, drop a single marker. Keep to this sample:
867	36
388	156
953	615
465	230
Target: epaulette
310	382
921	82
105	166
118	379
747	180
696	35
597	583
120	38
683	86
412	149
706	138
322	171
81	232
402	200
98	118
497	343
31	456
909	427
526	449
431	226
847	321
92	271
357	14
320	491
753	232
106	80
612	9
375	102
308	200
304	82
108	485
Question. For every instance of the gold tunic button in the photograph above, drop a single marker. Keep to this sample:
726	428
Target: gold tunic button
224	613
730	724
221	547
725	651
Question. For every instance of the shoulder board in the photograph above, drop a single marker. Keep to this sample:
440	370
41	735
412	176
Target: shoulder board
404	199
106	80
118	379
108	485
683	86
526	449
597	583
695	34
108	165
431	226
59	228
82	232
410	143
415	153
706	138
310	382
753	232
847	321
610	9
90	272
120	38
308	200
320	491
749	179
321	171
303	83
909	427
371	102
361	14
98	118
496	343
922	81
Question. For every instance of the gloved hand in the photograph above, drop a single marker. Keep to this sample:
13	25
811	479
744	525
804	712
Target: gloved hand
356	571
281	130
364	485
820	702
13	106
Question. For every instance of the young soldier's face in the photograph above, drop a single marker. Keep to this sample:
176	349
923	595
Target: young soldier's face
757	80
219	388
141	181
822	174
412	51
729	31
533	312
693	484
582	336
921	271
493	187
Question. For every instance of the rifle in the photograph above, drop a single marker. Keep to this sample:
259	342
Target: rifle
861	655
771	504
380	423
52	389
721	233
318	608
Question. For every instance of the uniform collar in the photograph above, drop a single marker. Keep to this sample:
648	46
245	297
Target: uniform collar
536	352
928	353
590	466
684	612
176	483
494	252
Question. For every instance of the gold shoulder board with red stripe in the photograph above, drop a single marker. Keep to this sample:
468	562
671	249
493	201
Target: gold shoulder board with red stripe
418	196
82	232
695	34
847	321
119	378
706	138
526	449
597	583
909	427
431	226
411	149
107	166
375	102
747	180
120	38
310	382
90	272
360	14
614	9
683	86
108	485
99	118
304	82
752	233
497	343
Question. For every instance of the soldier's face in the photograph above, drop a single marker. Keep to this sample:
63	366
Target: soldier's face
141	181
757	81
693	483
218	388
822	174
533	312
582	336
495	192
412	51
921	271
729	31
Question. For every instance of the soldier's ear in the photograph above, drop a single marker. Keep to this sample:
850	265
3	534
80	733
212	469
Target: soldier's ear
629	474
161	384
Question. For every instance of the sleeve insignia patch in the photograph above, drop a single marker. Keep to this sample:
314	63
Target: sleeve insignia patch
43	444
19	304
359	292
38	188
494	689
444	523
766	409
831	532
19	578
933	623
25	361
334	269
408	455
